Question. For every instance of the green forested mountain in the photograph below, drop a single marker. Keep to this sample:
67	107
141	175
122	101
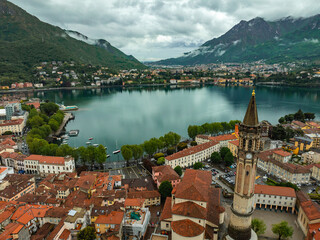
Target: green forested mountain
285	40
26	41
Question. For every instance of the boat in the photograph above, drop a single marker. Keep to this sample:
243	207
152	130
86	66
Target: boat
91	138
73	133
88	143
108	155
68	108
66	138
116	151
95	145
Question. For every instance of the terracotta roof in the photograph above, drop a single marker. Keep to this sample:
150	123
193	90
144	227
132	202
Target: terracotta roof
311	209
314	231
290	167
314	124
17	184
189	209
11	228
282	153
65	235
144	194
194	185
8	141
26	213
203	136
274	190
302	196
166	211
57	229
5	215
11	122
187	228
166	173
191	150
35	104
134	202
46	159
225	137
86	182
236	143
13	155
298	123
115	217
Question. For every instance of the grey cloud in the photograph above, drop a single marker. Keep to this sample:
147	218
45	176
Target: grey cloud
153	29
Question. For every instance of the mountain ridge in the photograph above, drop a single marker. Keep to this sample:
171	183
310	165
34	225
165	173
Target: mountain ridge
26	41
258	39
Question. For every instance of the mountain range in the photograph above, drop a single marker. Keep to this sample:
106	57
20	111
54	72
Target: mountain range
26	41
287	39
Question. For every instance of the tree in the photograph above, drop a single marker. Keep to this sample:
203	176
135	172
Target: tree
83	153
178	170
182	146
216	158
171	150
165	189
281	120
309	116
193	143
228	159
88	233
54	124
282	229
101	155
49	108
192	131
224	151
137	151
258	226
36	121
289	117
126	153
197	165
299	116
161	161
150	147
158	155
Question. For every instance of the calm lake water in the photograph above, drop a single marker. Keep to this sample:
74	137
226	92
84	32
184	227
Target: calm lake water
114	117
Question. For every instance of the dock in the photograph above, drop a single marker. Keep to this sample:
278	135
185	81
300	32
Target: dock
66	119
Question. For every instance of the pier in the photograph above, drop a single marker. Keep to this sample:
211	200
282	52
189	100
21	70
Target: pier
66	119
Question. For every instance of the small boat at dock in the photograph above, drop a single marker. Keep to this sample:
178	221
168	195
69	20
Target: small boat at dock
108	155
116	151
95	145
91	138
73	133
88	143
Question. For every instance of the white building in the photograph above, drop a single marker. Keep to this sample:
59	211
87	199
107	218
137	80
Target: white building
15	126
189	156
275	197
310	157
38	164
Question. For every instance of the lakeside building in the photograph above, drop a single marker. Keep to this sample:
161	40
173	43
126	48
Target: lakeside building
275	162
310	157
165	173
194	210
43	165
189	156
275	197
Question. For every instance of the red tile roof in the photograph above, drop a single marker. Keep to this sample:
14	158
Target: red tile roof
311	209
298	123
187	228
11	228
191	150
8	141
11	122
166	211
65	235
166	173
282	153
313	231
134	202
35	104
115	217
274	190
225	137
144	194
46	159
236	143
189	209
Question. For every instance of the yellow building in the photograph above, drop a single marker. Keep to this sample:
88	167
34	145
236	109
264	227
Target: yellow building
308	214
233	146
109	223
303	143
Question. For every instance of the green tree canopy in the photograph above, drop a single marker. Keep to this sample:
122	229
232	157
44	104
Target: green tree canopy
137	151
150	147
165	189
229	159
258	226
192	131
283	230
198	165
299	116
161	161
182	146
193	143
178	170
126	152
224	151
88	233
216	158
49	108
101	154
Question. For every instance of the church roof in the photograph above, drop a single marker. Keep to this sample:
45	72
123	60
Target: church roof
251	117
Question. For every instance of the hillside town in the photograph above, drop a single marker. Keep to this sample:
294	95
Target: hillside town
57	74
47	197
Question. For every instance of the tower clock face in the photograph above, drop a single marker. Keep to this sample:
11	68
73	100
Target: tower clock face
249	156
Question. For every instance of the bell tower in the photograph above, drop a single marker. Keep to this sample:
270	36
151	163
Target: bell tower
243	202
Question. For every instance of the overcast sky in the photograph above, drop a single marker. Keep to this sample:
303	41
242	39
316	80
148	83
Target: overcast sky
158	29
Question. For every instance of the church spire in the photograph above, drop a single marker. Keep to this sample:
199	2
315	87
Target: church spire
251	117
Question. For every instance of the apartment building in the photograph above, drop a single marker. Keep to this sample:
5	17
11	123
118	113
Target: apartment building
189	156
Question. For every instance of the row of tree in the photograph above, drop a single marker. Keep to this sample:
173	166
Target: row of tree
299	116
280	133
282	229
150	147
223	156
211	128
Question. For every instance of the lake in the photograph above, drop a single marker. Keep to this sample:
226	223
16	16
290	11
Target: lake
116	116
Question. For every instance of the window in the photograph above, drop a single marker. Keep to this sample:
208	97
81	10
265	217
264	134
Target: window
167	225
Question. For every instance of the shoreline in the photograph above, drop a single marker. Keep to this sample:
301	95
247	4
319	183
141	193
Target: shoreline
29	90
